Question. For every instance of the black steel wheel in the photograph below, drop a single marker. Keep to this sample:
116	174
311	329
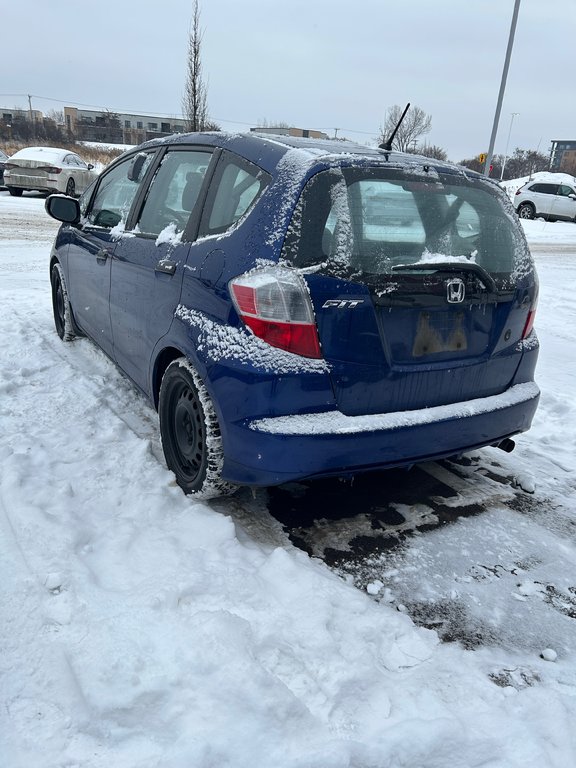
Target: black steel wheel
71	187
190	432
526	211
61	308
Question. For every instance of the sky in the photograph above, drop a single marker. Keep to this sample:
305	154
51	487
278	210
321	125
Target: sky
321	65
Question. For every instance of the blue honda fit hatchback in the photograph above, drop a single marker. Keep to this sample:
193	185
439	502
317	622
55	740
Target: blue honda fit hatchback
297	308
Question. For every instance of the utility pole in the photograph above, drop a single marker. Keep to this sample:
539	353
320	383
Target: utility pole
502	88
32	123
514	114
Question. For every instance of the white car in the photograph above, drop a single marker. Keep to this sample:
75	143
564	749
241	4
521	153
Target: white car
547	199
47	169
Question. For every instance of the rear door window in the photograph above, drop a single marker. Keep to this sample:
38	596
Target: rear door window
236	186
545	189
174	191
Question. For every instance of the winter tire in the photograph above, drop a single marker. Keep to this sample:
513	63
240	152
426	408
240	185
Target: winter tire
71	187
63	319
526	211
15	192
190	432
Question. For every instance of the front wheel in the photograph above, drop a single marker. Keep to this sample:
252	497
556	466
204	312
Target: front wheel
190	432
61	305
526	211
70	187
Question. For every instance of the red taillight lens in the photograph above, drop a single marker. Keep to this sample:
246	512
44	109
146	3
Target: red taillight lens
529	323
50	169
275	305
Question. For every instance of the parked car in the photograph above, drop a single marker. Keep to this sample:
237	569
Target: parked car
546	199
283	333
3	159
47	169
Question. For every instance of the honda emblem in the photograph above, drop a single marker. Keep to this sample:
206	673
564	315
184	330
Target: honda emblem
455	291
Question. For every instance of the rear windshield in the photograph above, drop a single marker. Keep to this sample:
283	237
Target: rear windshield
372	221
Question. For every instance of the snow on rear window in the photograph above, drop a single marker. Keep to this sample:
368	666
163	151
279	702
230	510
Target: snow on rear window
371	220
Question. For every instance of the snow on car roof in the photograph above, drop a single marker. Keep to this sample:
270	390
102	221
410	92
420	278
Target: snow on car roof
48	153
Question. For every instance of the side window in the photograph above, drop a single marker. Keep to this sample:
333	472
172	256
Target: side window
116	192
174	191
236	187
545	189
565	190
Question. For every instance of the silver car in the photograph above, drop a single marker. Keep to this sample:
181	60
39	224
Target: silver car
47	169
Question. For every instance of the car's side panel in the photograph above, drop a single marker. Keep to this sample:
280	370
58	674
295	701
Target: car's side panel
88	275
145	285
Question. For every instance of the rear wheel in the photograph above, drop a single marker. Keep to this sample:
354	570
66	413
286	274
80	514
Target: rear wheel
15	192
70	187
190	432
526	211
61	305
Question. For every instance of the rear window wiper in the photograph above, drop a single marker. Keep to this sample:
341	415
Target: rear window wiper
451	266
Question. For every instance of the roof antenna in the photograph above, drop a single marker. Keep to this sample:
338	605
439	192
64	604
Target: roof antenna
387	145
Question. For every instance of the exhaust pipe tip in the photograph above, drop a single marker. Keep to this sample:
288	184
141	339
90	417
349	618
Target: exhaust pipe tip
507	445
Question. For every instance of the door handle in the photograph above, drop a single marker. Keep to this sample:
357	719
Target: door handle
166	267
102	254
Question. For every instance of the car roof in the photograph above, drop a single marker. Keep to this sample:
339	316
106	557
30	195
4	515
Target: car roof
267	150
47	153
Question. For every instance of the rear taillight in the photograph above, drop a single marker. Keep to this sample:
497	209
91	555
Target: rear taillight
529	324
50	169
275	304
8	166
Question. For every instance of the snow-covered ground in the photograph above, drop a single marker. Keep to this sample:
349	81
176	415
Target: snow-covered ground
142	629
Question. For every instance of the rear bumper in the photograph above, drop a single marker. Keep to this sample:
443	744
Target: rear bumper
30	182
277	450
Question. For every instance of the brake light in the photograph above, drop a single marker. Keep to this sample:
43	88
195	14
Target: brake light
50	169
7	166
274	303
529	324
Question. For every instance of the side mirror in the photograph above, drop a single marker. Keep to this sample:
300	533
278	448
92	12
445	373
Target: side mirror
62	208
90	166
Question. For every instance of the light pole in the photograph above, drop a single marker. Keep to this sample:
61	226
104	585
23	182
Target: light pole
514	114
502	87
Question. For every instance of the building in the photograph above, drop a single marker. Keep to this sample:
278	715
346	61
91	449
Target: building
12	119
283	131
563	156
119	127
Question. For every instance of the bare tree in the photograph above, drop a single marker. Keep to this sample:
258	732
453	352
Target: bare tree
415	124
194	101
433	151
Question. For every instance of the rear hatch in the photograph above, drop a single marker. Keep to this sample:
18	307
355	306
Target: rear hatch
421	282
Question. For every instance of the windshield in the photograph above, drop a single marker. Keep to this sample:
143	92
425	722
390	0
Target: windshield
372	221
